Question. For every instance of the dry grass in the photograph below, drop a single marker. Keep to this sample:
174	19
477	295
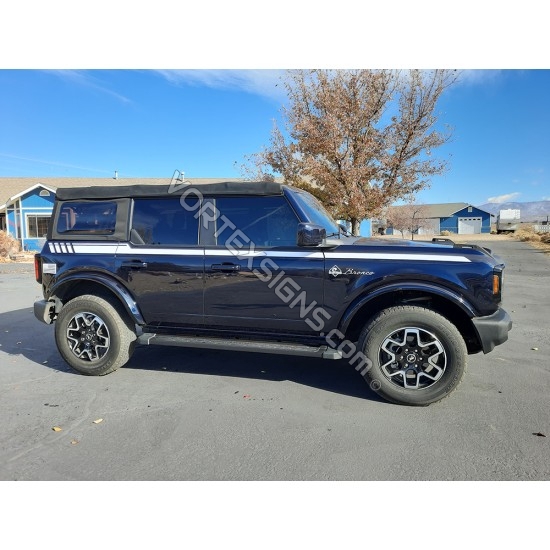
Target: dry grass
537	240
8	247
527	234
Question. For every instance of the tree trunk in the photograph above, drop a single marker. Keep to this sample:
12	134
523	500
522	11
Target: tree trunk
355	226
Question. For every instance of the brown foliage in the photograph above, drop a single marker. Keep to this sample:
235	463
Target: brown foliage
8	245
358	139
527	234
408	218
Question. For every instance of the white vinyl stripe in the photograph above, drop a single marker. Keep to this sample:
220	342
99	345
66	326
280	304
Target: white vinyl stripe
137	250
122	249
263	253
81	248
394	256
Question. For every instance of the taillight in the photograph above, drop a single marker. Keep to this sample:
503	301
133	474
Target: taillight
38	268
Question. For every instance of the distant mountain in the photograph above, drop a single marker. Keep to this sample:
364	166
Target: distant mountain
529	211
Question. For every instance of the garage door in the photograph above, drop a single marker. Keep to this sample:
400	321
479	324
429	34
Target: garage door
469	226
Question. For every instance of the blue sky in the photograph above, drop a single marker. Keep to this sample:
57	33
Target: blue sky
147	123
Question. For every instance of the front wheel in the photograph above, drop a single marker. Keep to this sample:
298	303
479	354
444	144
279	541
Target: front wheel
418	357
94	336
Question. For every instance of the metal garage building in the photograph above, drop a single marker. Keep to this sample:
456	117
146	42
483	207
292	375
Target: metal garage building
461	218
457	217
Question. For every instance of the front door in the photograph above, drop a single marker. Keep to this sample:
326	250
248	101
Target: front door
256	277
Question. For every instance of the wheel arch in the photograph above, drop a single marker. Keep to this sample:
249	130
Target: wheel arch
96	284
445	302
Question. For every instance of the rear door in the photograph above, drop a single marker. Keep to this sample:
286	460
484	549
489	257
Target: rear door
163	264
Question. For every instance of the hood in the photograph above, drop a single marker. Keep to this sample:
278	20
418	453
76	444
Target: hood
438	245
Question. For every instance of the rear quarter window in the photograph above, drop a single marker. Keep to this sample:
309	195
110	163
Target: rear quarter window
98	218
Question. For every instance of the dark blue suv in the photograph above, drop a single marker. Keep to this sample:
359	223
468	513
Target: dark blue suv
262	267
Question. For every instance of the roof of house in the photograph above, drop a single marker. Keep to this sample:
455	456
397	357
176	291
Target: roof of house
444	210
13	187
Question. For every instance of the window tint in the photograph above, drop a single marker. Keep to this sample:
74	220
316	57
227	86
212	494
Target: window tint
266	221
165	222
87	217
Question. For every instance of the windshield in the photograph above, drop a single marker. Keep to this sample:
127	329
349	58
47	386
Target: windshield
316	212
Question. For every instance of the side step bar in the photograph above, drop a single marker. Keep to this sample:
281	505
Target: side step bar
324	352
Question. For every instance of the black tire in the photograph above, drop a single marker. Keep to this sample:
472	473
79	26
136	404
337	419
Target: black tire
418	356
93	335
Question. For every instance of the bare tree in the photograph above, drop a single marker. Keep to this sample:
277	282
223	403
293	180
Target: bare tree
358	139
410	218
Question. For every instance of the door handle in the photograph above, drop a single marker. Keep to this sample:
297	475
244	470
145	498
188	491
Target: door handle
134	264
226	267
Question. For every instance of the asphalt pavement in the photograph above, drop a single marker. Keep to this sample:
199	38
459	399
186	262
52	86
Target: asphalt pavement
183	414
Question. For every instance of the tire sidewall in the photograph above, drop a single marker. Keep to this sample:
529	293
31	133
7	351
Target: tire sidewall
447	334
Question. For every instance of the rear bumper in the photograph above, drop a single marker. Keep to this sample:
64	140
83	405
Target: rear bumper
493	330
44	311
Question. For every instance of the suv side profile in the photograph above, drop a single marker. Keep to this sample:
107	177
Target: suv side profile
262	267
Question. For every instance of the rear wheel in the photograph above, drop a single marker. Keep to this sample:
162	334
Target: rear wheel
418	356
94	336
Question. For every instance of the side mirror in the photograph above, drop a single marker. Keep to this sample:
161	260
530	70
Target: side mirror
311	234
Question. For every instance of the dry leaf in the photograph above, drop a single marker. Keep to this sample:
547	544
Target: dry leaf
56	429
98	420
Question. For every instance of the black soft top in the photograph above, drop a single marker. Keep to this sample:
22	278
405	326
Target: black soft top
122	191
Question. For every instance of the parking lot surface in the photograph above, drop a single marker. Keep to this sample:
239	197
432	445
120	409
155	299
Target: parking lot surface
184	414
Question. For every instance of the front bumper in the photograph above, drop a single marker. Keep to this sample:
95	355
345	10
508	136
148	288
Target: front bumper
493	329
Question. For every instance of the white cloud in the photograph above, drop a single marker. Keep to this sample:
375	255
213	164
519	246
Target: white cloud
262	82
83	78
268	82
504	198
545	198
478	76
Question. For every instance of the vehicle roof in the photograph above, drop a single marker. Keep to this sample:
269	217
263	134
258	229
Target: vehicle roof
123	191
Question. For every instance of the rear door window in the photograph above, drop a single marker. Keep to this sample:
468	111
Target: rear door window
165	222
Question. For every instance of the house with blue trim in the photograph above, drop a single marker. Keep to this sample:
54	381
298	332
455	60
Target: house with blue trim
26	215
460	218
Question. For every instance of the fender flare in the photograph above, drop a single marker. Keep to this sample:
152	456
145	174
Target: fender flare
119	290
364	299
